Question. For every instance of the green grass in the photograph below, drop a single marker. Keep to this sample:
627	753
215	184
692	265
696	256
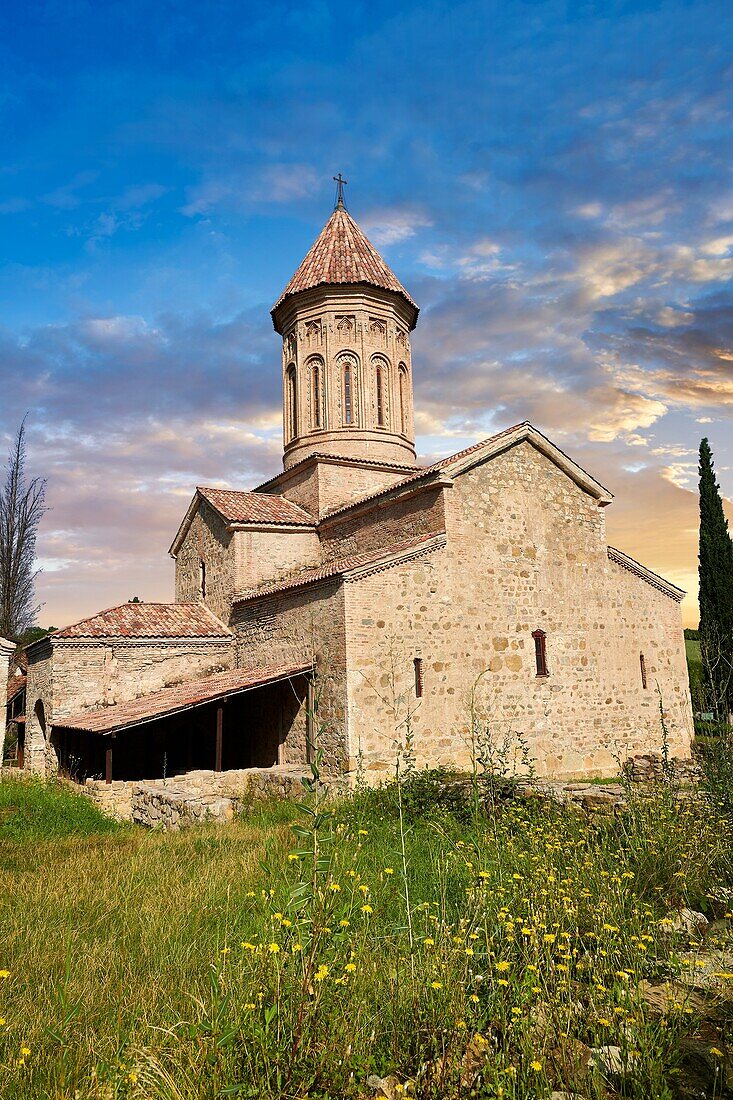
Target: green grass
474	955
33	810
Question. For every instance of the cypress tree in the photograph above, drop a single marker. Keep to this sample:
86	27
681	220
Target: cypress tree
716	591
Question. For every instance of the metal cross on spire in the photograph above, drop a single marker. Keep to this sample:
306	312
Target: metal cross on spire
340	183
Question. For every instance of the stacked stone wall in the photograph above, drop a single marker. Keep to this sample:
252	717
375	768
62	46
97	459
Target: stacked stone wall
207	540
292	629
526	551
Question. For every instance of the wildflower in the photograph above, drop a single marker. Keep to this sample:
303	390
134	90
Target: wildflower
363	889
132	1077
549	937
248	946
436	985
473	999
389	870
2	1021
250	1005
461	1025
293	857
296	948
367	909
502	981
604	1022
469	951
321	973
335	887
4	973
503	965
25	1051
536	1066
344	923
274	948
429	941
716	1052
350	967
363	832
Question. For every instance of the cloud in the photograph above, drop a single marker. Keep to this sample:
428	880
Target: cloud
392	225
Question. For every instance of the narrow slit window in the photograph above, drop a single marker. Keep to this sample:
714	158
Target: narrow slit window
202	579
348	382
418	677
642	668
540	652
316	374
380	397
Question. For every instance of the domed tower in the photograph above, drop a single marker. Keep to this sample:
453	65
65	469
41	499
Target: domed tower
346	320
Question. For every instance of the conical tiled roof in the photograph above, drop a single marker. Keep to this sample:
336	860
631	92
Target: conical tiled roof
342	254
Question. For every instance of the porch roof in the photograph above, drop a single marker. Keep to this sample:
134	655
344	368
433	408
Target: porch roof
174	700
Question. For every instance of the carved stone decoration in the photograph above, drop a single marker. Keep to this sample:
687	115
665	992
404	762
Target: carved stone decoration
290	345
345	327
401	338
378	327
313	331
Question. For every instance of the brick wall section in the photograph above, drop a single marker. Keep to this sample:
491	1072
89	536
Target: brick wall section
207	539
384	526
291	628
267	555
323	485
526	549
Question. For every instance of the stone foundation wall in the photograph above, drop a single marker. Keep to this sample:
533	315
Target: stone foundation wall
195	797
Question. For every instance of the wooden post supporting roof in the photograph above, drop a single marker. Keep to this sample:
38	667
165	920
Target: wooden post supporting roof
219	735
108	762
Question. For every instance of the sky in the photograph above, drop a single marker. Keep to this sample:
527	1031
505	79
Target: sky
552	182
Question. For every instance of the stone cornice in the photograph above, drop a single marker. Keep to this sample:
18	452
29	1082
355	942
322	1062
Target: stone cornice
645	574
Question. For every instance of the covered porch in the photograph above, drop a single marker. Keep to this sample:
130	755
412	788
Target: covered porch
225	722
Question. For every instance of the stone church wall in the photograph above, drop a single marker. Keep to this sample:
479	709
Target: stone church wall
385	526
289	629
207	540
526	550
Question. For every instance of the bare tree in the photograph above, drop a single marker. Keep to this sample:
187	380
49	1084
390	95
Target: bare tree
22	503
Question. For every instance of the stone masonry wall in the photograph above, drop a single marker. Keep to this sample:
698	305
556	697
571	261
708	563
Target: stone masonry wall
292	629
208	540
526	550
39	755
385	526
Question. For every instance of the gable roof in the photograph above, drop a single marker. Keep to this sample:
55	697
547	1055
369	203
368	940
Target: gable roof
341	254
350	567
238	506
248	507
147	620
486	449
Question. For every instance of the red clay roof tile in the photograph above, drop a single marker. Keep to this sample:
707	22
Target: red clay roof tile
237	506
342	254
174	699
148	620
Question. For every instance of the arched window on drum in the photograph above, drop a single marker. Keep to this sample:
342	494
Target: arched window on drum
315	368
292	403
381	390
403	398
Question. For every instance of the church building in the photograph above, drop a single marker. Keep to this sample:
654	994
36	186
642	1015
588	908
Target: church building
358	600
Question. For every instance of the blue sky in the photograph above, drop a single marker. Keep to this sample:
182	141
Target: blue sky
552	182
